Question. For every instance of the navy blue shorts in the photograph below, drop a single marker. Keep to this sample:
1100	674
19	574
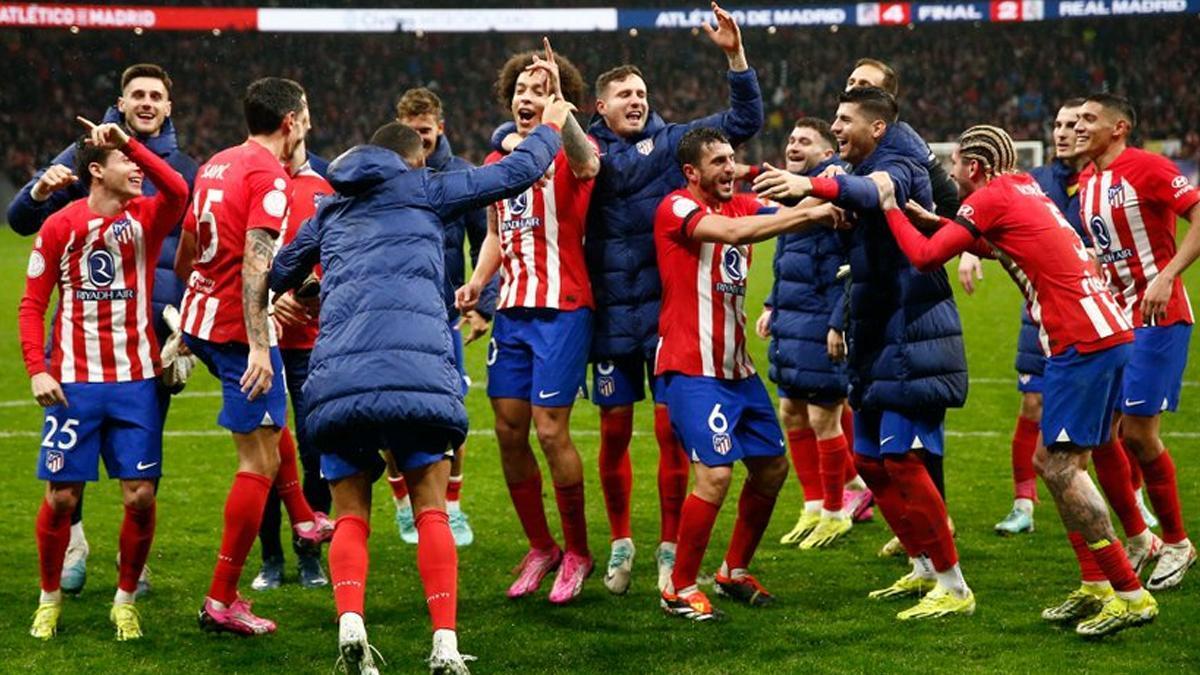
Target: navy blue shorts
1081	392
1030	384
722	421
621	381
227	362
1153	377
539	355
119	422
413	446
887	432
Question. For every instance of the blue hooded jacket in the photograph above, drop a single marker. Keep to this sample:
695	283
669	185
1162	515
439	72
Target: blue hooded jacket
635	175
471	226
25	215
1053	179
807	300
905	341
383	356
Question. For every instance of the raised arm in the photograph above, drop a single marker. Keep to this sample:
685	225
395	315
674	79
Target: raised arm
744	117
49	190
751	229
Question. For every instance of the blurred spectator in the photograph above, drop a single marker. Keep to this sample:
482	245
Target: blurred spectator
951	76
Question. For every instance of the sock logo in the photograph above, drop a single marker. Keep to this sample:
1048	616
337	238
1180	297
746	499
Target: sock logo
429	600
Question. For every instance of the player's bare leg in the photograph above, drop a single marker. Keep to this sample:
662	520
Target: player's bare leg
553	426
1083	511
1025	442
53	536
258	462
1141	435
826	421
616	483
137	534
802	446
765	478
524	480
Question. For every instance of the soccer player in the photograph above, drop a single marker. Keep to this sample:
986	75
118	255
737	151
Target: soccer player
389	381
241	198
1130	201
637	169
421	109
98	385
537	357
906	358
144	106
719	407
1089	338
805	317
297	329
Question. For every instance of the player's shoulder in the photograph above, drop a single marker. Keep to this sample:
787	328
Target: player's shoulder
1136	163
74	212
677	205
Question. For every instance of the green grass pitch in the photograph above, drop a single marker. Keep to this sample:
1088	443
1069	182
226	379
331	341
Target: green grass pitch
823	622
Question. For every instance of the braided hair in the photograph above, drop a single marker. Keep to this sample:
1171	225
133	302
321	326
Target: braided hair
990	146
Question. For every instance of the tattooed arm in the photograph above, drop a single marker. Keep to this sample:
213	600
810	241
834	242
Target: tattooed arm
582	156
256	264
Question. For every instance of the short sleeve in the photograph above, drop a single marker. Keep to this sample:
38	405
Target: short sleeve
677	217
1168	186
266	199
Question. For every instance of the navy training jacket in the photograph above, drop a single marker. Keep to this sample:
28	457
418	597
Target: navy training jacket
383	356
904	338
806	300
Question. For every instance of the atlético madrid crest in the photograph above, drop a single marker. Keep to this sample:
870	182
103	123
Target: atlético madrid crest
55	461
645	146
722	444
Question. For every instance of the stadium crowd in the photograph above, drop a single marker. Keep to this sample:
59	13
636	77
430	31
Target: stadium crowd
1013	79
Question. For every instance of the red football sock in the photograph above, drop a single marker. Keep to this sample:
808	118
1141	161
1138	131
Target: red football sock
53	536
887	498
243	515
1164	496
848	432
616	473
1089	568
399	487
437	562
453	489
673	467
137	533
695	529
802	446
1112	559
832	455
926	510
527	499
754	513
287	481
574	518
1112	472
348	562
1135	467
1024	445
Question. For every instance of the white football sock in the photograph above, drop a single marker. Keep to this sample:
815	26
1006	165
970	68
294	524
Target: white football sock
1022	504
952	580
124	597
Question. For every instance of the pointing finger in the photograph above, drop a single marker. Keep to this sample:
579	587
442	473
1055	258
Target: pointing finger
85	122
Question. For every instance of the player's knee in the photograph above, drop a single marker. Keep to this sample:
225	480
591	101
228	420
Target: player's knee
1140	435
792	414
1058	470
871	469
63	499
770	476
826	424
713	484
139	495
1031	406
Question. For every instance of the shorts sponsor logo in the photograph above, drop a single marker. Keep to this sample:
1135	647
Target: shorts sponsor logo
543	394
55	461
142	466
1130	404
606	385
884	441
1024	379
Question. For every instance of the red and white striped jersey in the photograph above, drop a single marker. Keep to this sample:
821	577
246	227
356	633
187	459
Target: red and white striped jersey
308	187
240	189
541	241
1130	208
1065	296
702	323
103	268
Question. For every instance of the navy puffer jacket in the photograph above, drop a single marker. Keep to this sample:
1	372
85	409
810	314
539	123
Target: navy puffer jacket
904	338
383	356
26	216
635	174
471	226
806	301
